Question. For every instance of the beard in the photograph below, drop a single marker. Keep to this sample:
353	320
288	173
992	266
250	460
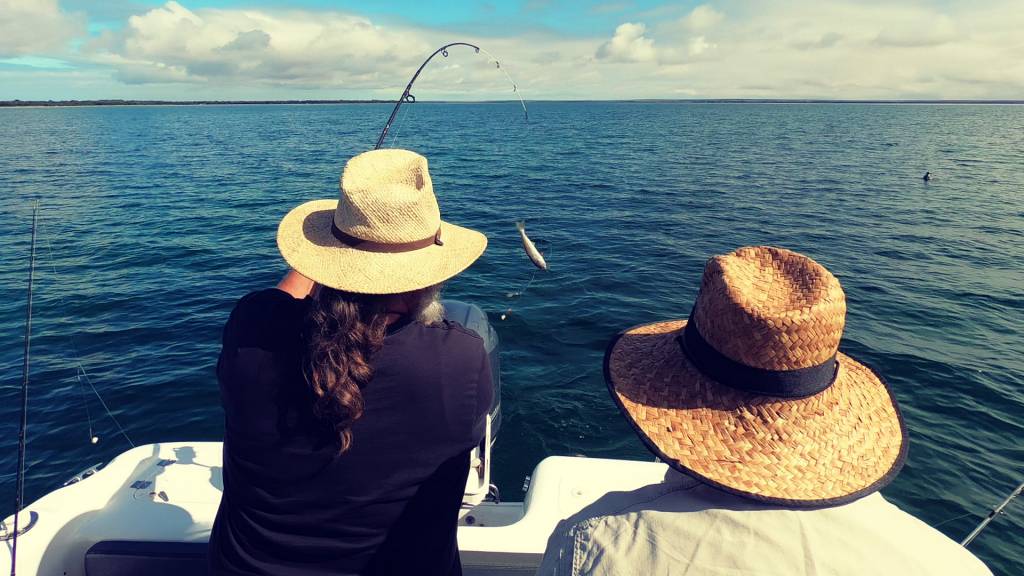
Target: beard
428	309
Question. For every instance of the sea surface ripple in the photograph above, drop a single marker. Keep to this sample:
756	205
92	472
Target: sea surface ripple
155	220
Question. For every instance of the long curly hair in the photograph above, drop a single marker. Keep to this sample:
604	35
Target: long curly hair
344	331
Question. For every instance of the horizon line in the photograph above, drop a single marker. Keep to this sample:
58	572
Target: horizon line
17	103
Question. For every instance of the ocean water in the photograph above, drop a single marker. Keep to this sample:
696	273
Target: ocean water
155	220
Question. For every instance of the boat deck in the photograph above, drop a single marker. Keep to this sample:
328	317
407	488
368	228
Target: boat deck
158	501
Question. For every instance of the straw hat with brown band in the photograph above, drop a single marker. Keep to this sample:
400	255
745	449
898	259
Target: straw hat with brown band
750	393
384	236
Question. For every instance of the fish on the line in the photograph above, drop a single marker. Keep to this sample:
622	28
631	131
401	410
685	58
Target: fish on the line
531	249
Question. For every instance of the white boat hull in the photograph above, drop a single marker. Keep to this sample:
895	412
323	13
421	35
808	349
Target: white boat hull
169	493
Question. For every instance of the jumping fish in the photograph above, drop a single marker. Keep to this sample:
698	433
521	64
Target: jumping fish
531	250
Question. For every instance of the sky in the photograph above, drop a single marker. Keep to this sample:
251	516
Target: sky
551	49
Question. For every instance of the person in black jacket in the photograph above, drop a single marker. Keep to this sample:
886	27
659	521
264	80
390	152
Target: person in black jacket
351	405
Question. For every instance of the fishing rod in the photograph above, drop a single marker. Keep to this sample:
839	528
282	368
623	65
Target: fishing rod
23	428
443	51
992	515
408	97
20	481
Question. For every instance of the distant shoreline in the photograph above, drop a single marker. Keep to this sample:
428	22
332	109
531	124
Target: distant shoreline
113	102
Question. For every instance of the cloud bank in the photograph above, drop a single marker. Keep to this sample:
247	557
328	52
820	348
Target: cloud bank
175	44
36	27
726	49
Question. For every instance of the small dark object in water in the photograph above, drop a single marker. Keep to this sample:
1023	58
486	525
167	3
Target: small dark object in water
927	176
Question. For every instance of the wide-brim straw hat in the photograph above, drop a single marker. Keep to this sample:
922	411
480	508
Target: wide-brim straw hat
750	393
385	234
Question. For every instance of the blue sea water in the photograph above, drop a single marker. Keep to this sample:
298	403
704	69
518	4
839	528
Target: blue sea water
155	220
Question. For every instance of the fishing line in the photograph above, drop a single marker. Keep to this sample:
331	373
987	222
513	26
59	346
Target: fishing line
81	386
80	371
954	519
515	87
508	311
443	51
398	129
85	402
987	519
992	515
407	97
105	407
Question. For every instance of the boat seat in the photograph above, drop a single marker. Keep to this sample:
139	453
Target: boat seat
128	558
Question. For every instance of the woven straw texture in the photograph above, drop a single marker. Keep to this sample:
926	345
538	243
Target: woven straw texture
773	309
386	197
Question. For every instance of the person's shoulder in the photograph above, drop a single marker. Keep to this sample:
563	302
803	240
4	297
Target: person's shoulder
591	542
452	334
921	543
263	317
451	326
261	301
458	330
265	307
876	536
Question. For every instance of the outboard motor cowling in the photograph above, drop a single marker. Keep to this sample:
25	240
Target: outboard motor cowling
478	484
475	319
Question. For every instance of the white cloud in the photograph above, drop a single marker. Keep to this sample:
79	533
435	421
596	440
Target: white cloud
36	27
173	43
698	46
736	49
813	49
628	45
816	41
914	30
702	18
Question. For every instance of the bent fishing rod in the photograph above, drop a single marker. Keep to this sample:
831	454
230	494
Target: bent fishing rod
443	51
408	97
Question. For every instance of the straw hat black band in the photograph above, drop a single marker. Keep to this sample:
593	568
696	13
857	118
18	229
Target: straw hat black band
371	246
798	383
717	396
